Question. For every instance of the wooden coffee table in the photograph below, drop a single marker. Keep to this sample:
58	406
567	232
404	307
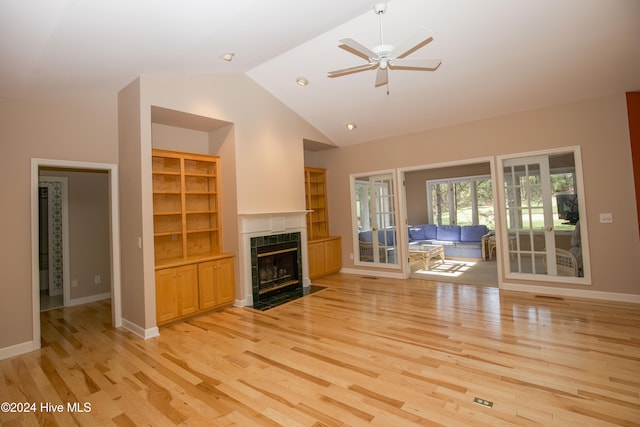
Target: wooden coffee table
426	253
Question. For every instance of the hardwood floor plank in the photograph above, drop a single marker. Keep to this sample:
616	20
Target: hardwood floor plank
363	351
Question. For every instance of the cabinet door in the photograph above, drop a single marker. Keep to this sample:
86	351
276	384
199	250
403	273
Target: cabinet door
166	295
316	259
187	282
216	283
207	284
226	281
332	255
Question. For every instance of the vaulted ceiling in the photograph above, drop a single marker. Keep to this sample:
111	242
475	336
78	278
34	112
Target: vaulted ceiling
498	56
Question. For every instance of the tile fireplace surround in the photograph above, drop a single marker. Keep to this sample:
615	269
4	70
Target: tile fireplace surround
268	224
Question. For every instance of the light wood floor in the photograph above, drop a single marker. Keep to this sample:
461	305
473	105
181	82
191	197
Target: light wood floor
364	351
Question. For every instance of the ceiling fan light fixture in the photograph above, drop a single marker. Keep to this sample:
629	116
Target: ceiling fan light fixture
384	57
302	81
351	126
227	56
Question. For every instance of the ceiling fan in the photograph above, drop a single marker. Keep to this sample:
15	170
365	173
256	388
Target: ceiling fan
383	57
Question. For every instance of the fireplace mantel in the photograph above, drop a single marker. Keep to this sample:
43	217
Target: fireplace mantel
256	224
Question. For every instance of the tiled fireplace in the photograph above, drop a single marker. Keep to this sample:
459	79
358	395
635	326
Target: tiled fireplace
273	254
276	265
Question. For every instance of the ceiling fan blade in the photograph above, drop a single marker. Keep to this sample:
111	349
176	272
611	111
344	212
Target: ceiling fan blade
382	77
413	44
350	70
358	48
424	64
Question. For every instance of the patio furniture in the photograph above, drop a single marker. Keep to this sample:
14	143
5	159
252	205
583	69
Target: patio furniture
425	253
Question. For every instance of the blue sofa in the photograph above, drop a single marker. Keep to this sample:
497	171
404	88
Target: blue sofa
458	241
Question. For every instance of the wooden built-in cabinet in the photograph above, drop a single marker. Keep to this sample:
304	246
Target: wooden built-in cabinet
176	292
217	284
324	251
192	274
325	257
316	194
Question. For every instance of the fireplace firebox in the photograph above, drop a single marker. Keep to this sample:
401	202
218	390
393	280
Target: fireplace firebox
276	265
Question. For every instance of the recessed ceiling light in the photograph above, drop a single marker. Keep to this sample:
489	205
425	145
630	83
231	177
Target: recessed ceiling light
227	56
302	81
351	126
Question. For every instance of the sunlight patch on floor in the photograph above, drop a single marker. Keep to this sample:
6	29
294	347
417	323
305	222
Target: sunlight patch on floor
448	268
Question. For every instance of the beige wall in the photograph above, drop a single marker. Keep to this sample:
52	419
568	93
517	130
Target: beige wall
264	146
81	128
598	126
89	231
268	135
134	291
179	139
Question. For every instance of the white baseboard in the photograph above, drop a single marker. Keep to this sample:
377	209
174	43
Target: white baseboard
16	350
139	330
572	293
241	303
374	273
534	289
90	298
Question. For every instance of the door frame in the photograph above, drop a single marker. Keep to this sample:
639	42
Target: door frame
116	302
584	227
402	198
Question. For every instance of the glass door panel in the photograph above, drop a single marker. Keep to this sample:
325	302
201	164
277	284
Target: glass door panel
529	215
375	219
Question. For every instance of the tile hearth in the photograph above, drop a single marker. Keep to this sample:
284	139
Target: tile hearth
285	297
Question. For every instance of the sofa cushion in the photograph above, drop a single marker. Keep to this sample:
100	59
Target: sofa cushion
473	233
423	232
430	231
449	232
416	233
365	236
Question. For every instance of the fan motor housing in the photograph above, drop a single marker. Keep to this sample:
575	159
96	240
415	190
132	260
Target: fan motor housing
380	8
383	50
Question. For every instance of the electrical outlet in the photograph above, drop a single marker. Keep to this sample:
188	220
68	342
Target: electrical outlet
74	283
606	218
483	402
97	280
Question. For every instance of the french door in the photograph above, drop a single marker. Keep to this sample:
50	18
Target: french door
375	218
529	216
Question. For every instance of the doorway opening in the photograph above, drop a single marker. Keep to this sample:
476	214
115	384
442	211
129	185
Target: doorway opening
457	197
87	287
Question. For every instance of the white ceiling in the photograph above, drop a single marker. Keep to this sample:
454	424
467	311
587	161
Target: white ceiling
499	56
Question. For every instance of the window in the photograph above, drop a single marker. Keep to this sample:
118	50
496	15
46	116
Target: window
462	201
